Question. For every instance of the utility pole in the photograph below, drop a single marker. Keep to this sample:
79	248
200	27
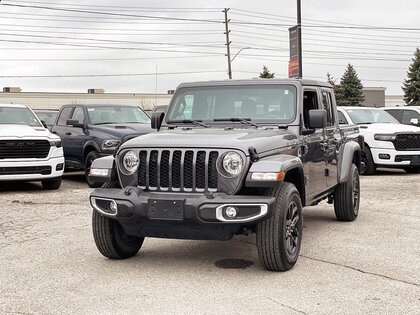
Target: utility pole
227	31
299	34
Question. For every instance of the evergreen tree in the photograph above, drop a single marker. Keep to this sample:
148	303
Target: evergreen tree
336	86
411	85
350	91
266	74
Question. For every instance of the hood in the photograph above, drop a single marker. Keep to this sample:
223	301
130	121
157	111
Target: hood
262	140
24	131
388	128
121	130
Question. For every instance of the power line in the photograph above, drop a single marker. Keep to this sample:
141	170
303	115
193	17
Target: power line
107	75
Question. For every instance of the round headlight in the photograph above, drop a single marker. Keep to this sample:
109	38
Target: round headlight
130	162
233	163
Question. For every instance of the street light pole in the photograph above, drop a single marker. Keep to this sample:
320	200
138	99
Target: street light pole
299	34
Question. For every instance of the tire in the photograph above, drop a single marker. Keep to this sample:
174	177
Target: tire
111	240
51	184
347	197
279	237
367	159
90	157
412	170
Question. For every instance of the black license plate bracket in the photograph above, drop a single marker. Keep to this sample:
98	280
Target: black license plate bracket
166	209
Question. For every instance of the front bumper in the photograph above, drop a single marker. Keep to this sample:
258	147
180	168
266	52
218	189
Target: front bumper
392	157
18	168
176	215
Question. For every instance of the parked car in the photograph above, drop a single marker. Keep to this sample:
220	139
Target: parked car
47	116
408	115
28	151
230	157
95	130
388	143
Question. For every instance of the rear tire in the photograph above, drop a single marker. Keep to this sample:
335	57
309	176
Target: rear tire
367	159
90	157
51	184
347	197
279	237
111	240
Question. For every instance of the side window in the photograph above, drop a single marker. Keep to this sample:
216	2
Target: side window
396	113
341	119
78	115
327	105
408	115
310	101
64	116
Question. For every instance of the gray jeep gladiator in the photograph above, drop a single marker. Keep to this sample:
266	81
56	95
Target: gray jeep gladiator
229	158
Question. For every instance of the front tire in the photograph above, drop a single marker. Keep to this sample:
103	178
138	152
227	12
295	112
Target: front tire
111	240
51	184
367	159
90	157
347	197
279	237
412	170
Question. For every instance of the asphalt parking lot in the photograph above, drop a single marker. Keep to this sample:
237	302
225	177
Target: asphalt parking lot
49	263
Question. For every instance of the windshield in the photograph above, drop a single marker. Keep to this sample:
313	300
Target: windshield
19	116
369	116
117	115
49	118
256	102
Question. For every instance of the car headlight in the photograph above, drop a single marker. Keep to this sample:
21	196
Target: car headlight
130	162
110	144
384	137
55	143
233	163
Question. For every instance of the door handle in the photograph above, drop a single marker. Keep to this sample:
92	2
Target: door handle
68	133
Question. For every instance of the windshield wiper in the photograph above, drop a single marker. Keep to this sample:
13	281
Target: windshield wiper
245	121
191	121
106	123
364	123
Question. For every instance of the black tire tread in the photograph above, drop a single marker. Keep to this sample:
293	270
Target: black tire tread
51	184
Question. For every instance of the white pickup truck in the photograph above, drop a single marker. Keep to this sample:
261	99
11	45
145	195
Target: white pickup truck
28	150
387	142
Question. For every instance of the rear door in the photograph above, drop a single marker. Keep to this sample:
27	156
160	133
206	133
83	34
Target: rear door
332	139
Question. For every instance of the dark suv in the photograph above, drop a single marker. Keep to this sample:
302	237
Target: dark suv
91	131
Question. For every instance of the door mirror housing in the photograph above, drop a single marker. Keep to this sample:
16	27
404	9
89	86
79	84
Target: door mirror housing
156	120
75	123
44	124
317	118
414	121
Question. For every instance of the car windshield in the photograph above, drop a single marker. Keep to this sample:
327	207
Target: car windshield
48	117
117	115
19	116
264	104
370	116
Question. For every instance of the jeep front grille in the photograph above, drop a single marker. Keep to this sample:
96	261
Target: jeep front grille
178	170
24	149
407	142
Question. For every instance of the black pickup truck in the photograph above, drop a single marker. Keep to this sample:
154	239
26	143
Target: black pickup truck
228	158
95	130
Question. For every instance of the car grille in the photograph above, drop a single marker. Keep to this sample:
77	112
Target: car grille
23	149
178	170
407	142
25	170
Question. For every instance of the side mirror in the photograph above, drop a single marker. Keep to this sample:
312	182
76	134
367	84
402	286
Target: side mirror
317	118
414	121
44	124
156	120
75	123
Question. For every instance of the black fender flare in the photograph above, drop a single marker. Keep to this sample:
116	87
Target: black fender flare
346	158
108	163
92	144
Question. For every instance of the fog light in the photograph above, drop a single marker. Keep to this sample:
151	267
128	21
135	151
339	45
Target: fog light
59	167
384	156
231	212
113	206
